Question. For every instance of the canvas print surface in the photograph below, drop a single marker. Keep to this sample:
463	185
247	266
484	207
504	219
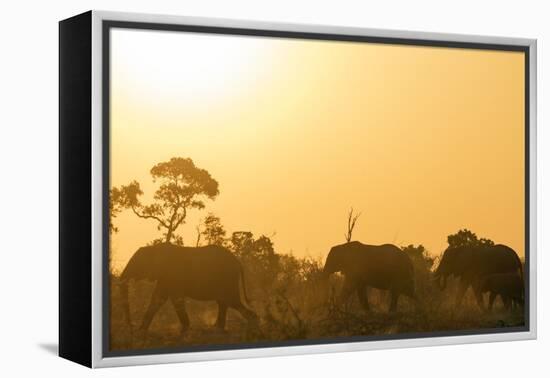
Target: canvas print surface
266	191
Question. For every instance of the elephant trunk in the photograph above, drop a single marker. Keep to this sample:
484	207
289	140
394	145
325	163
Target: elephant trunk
441	280
325	273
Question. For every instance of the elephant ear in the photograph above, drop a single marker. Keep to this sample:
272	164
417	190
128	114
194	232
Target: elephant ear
349	256
465	259
147	263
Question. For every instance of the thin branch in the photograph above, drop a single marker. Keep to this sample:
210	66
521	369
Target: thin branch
144	216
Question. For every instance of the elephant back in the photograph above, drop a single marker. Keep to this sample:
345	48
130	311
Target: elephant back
388	265
203	263
172	262
498	259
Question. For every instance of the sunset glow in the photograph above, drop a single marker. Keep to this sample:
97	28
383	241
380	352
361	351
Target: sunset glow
423	141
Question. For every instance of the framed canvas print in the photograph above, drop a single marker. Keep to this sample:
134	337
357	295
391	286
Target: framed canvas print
236	189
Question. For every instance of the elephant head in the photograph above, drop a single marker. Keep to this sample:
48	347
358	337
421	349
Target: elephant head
146	264
455	262
338	259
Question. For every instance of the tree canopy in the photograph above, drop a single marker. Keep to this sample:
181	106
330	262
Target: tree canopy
465	238
213	232
419	255
182	187
115	207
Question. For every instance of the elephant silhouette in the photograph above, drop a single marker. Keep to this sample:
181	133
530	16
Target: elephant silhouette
472	263
383	267
210	273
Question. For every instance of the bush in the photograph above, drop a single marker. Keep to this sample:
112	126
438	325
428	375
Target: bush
295	301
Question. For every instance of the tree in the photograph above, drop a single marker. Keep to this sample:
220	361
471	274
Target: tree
258	256
183	187
419	256
352	219
264	249
242	242
115	208
465	238
213	231
422	264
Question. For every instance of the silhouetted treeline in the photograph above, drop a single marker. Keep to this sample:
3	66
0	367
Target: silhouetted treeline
293	301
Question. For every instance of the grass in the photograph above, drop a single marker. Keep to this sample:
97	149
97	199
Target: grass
305	308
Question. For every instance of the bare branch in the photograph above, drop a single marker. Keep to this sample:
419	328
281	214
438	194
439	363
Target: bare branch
352	219
199	232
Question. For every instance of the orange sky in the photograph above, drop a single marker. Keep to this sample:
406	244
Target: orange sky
422	140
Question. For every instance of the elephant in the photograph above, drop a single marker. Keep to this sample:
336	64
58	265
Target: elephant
509	286
472	263
203	273
383	267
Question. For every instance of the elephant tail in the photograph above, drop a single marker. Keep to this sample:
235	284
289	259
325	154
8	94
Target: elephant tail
243	285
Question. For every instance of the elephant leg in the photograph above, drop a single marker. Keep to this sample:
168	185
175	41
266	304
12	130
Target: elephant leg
157	300
506	302
418	305
363	297
479	299
393	301
519	303
462	288
179	306
222	314
492	298
347	289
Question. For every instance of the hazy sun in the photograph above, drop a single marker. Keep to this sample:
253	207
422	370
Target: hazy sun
186	66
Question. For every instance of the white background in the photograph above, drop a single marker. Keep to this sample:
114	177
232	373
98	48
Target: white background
29	174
